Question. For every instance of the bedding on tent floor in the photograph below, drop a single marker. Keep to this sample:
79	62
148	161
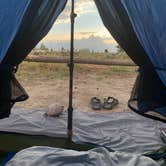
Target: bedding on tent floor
97	157
125	131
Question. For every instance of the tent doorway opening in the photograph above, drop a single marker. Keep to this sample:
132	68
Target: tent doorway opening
89	79
126	26
103	90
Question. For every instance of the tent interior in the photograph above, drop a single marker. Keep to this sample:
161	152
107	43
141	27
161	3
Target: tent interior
138	27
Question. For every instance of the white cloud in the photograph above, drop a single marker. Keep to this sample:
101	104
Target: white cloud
84	6
81	7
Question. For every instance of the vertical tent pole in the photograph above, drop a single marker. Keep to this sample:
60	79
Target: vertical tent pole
71	69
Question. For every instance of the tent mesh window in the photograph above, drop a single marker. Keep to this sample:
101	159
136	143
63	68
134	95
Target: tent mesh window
148	94
10	92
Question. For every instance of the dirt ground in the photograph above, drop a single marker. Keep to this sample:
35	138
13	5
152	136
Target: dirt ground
45	92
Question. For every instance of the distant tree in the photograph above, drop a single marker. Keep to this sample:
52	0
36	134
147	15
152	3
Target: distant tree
119	49
106	51
43	47
64	52
63	49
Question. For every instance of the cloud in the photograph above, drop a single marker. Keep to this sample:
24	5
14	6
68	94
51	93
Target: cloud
81	7
85	6
66	36
87	33
80	35
58	37
94	43
109	41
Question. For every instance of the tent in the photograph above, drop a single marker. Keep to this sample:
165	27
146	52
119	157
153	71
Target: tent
127	22
138	26
23	25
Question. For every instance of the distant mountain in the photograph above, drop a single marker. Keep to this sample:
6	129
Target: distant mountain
93	43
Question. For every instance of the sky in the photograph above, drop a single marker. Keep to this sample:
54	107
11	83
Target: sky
89	30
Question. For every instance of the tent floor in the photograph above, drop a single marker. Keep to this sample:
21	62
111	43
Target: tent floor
125	131
11	142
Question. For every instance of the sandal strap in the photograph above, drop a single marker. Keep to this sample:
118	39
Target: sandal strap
96	100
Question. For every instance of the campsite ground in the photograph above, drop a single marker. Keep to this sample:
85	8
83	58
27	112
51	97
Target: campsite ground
48	83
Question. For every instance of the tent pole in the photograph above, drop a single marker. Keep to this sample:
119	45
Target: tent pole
71	69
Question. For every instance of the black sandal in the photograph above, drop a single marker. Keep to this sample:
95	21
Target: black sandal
110	103
96	103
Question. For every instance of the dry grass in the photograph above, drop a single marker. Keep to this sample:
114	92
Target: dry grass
48	83
31	70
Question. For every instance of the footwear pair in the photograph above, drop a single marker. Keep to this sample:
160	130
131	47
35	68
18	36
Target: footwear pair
109	103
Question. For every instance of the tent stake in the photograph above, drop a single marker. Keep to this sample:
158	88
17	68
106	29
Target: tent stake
71	69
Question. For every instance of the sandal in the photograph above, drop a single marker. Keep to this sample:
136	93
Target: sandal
96	103
110	103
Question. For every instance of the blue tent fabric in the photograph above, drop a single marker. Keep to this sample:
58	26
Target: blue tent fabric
116	20
23	25
36	21
134	25
8	157
148	20
11	14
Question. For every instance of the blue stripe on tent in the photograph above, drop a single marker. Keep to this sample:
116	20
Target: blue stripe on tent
148	21
8	157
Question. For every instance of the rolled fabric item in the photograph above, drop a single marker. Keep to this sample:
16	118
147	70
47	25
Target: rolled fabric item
54	110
